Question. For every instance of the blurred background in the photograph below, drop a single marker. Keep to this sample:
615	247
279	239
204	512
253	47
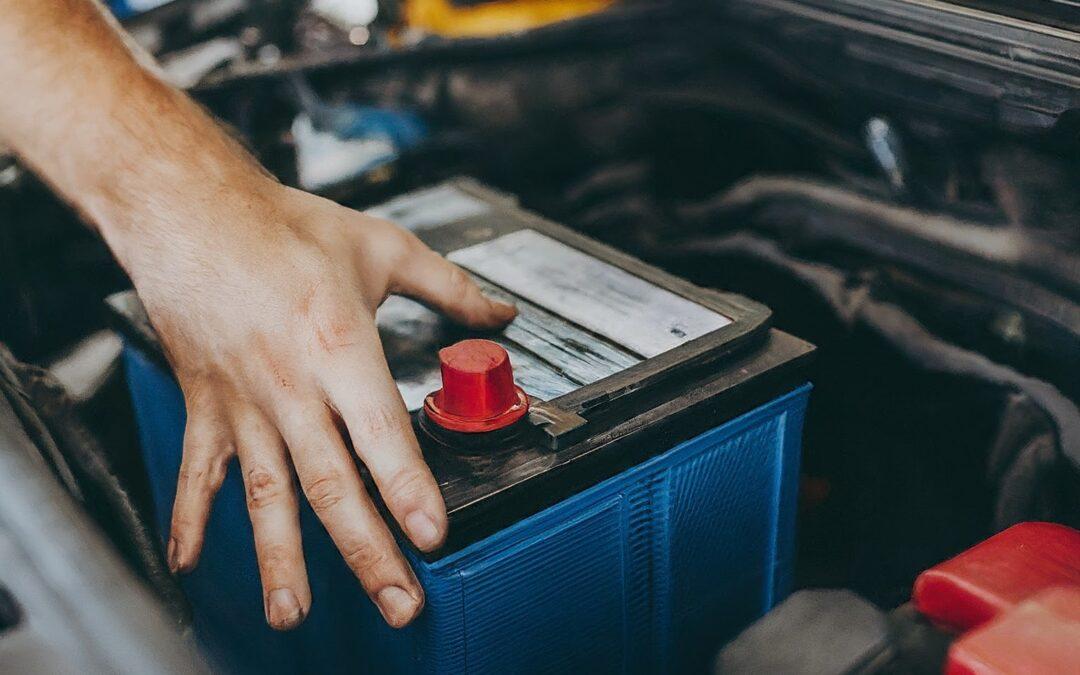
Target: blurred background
897	180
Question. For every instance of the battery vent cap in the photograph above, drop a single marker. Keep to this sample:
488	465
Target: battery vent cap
478	392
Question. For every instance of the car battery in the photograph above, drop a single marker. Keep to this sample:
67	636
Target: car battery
622	501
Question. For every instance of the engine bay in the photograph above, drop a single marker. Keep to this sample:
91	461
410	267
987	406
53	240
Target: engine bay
894	180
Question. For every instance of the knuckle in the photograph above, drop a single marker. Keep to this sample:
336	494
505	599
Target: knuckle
192	477
381	224
397	248
458	284
198	392
182	525
405	244
206	436
377	421
324	492
263	488
408	485
333	332
367	559
202	476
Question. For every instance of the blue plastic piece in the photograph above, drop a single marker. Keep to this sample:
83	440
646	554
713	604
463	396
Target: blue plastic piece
646	572
124	9
402	128
120	8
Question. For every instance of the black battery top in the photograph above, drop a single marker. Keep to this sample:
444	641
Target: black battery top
620	361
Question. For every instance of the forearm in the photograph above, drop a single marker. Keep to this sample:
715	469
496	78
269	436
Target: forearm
263	297
126	149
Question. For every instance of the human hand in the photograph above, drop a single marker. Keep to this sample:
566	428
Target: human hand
263	296
265	305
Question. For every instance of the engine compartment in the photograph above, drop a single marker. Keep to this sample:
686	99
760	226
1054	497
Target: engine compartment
892	186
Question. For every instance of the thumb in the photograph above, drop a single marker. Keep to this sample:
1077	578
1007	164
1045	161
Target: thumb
429	278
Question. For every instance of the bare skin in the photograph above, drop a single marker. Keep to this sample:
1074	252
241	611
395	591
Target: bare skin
263	296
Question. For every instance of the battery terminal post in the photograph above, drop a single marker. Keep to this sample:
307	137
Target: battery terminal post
478	392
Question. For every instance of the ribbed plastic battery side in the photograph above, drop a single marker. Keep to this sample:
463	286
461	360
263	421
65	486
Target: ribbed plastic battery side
647	572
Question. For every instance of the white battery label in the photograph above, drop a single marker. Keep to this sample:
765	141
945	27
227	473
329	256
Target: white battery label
551	357
600	297
425	209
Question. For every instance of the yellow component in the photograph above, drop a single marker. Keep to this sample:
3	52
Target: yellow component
494	17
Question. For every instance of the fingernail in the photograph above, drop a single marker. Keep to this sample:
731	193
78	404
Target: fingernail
504	308
172	555
283	609
397	606
422	530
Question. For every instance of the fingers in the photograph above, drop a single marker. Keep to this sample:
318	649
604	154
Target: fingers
273	507
332	486
382	436
208	447
429	278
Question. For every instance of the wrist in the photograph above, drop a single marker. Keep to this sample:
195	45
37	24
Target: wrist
146	169
202	209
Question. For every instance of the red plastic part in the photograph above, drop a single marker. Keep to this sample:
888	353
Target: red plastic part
478	392
1038	637
998	574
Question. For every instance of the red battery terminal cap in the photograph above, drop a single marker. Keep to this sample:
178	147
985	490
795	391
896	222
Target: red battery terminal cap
478	392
